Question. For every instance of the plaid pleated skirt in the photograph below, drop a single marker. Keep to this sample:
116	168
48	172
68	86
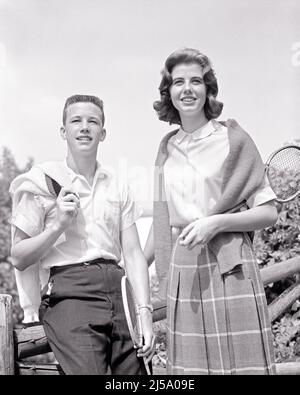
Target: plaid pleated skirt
217	324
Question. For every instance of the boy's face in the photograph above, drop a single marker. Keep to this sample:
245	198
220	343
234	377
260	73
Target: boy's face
83	129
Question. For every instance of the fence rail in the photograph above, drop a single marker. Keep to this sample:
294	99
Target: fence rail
18	344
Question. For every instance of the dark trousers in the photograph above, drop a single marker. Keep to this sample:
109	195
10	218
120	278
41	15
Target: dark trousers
85	321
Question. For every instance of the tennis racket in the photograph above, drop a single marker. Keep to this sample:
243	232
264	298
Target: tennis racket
133	317
283	171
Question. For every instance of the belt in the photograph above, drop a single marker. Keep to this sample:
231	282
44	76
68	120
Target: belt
60	269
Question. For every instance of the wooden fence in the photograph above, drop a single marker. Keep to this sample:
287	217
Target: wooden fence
16	345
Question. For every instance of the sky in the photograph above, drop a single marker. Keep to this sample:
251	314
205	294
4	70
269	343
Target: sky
115	49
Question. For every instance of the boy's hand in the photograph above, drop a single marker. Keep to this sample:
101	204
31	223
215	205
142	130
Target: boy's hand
148	348
67	205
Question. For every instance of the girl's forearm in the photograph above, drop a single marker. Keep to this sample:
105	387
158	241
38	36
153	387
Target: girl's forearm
246	221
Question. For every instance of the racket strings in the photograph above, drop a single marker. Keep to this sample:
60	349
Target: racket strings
284	173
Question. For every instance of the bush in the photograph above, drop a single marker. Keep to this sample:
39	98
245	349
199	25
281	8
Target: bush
8	286
8	171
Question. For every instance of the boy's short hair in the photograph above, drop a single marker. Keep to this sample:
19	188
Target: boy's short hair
83	99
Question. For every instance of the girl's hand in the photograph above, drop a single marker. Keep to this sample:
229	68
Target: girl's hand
200	232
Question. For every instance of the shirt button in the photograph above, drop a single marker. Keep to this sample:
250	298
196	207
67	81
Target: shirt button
175	231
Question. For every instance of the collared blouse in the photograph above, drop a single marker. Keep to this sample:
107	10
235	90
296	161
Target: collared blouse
193	173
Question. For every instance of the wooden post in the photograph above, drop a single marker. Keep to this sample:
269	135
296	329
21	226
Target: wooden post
6	336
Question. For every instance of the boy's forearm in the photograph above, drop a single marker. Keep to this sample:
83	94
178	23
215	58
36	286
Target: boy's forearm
149	247
137	272
28	251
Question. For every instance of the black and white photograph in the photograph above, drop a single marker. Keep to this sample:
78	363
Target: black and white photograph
149	190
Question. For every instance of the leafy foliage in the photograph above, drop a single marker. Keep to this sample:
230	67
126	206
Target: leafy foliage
286	334
159	358
282	241
8	171
8	286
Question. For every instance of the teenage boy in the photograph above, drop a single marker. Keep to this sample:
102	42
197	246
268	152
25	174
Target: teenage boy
79	236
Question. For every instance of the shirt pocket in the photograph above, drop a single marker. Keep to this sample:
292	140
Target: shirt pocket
111	215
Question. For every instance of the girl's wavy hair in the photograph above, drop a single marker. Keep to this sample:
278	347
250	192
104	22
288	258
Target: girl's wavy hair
164	107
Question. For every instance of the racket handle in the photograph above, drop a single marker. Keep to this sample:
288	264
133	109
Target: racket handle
139	329
147	366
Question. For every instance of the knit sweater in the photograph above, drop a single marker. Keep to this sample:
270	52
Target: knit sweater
243	175
30	281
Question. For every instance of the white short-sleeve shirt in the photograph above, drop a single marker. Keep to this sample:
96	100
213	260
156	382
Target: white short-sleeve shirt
193	173
106	208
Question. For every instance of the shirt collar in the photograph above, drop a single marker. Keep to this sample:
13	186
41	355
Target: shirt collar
100	173
201	133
